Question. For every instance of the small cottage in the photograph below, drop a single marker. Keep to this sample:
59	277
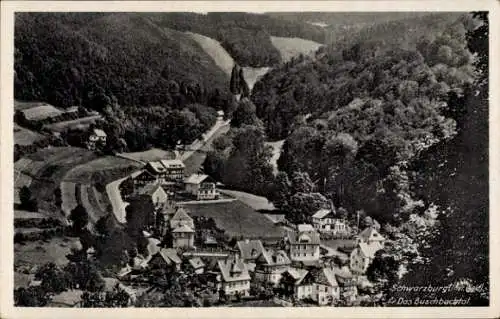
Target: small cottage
201	186
234	277
96	137
304	244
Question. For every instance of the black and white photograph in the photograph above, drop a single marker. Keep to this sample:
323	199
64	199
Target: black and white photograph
228	159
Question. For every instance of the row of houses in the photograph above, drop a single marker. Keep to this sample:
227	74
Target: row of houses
169	173
296	267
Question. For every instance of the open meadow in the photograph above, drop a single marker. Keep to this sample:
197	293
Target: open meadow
292	47
154	154
23	136
238	219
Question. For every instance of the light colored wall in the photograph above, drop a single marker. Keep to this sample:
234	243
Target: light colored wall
299	253
243	287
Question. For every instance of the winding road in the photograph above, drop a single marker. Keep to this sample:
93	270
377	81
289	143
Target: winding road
113	191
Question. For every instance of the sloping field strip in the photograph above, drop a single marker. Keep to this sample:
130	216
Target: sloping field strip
78	123
84	198
68	195
83	173
213	48
254	201
23	136
153	154
224	60
94	198
292	47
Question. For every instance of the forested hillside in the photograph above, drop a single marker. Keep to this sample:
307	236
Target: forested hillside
454	175
154	85
365	69
69	59
352	122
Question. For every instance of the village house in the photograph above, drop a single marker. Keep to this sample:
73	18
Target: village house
202	186
234	277
174	169
153	192
348	284
270	265
325	221
370	236
304	244
290	281
158	171
326	288
369	242
182	228
197	265
318	285
165	258
145	178
96	137
111	284
249	251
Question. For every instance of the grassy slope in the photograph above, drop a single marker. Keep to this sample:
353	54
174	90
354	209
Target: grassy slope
213	48
237	219
224	60
291	47
23	136
153	154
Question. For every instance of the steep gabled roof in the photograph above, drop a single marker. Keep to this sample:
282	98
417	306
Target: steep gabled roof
153	246
274	257
145	173
250	249
181	214
149	189
227	268
369	250
306	237
157	167
323	213
170	255
99	132
196	179
172	163
370	234
196	263
325	276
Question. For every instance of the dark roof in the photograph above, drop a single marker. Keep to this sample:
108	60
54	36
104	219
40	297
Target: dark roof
274	257
169	255
145	173
233	270
250	249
